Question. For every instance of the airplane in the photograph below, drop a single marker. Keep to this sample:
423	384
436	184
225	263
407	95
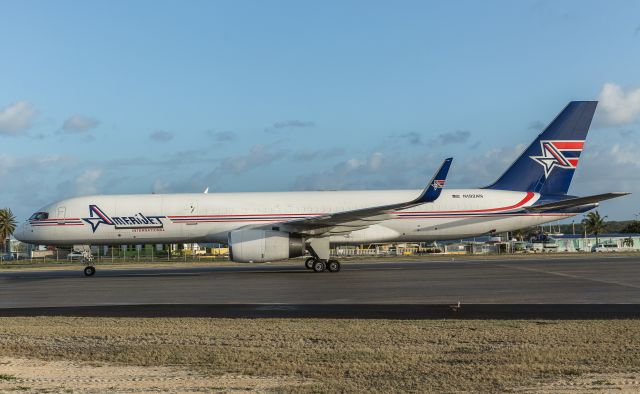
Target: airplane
269	226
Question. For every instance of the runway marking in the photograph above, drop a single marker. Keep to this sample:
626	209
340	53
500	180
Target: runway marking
609	282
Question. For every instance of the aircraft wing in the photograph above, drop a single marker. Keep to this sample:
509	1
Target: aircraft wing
348	221
574	202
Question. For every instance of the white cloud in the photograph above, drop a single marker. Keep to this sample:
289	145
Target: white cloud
610	168
82	184
79	124
259	156
324	154
618	107
86	182
412	137
6	164
447	138
20	167
536	125
377	171
161	136
27	180
452	137
160	187
16	118
294	123
222	136
290	125
50	160
375	162
481	170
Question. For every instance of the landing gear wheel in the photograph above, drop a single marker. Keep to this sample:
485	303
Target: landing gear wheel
89	270
309	263
333	266
319	266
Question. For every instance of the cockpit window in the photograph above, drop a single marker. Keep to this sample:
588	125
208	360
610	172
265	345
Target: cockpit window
39	216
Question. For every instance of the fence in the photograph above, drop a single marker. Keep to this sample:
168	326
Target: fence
118	256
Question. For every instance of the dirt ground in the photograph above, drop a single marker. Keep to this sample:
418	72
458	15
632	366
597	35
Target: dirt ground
38	376
33	375
57	354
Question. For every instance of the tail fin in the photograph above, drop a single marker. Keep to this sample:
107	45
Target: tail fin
548	164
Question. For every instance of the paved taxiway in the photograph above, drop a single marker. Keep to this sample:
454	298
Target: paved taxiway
594	282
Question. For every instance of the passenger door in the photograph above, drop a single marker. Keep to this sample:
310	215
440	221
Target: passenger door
61	213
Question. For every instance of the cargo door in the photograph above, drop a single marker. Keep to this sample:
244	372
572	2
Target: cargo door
62	215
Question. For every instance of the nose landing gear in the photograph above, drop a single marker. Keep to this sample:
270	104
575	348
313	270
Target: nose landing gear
89	270
87	259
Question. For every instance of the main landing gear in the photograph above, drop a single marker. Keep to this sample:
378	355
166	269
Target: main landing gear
319	265
309	263
320	262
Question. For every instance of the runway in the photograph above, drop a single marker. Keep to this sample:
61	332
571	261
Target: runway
586	287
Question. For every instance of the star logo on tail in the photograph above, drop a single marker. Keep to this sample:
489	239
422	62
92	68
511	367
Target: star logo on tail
558	154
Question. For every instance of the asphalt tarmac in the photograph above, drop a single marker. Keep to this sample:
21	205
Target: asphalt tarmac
593	286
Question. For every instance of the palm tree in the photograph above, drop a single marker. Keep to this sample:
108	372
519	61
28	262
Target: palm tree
7	226
594	223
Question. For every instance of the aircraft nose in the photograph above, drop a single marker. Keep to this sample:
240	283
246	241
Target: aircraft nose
19	234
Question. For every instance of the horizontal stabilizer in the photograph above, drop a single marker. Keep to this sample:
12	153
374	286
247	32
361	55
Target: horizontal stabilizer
574	202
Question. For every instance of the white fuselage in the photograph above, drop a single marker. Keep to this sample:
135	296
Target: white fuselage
187	218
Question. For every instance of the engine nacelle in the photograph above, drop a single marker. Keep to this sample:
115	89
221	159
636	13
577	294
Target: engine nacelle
258	246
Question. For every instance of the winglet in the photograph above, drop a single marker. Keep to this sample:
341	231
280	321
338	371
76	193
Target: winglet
433	189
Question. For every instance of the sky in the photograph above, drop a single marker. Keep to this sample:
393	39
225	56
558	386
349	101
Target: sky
170	96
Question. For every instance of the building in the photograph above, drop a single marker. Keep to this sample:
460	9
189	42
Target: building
580	243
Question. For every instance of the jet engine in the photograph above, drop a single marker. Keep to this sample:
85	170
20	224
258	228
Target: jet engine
258	246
